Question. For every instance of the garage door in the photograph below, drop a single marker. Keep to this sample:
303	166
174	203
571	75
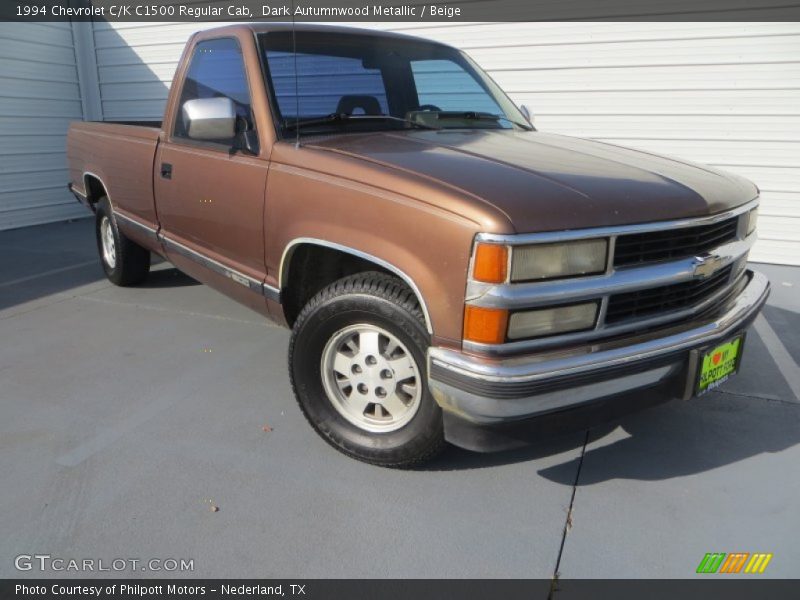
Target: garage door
726	94
39	95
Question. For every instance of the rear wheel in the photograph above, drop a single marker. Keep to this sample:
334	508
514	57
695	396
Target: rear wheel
124	261
357	364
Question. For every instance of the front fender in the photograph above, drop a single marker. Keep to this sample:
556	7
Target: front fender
424	245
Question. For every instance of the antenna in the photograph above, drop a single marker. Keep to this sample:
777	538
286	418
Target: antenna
296	85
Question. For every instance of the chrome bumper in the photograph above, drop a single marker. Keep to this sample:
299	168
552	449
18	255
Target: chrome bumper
489	391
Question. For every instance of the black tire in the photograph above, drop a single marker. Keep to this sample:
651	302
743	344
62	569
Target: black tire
132	262
374	299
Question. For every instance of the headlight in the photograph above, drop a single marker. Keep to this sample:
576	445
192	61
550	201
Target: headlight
551	261
548	321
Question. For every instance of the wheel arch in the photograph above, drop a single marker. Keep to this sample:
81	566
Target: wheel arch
289	252
94	187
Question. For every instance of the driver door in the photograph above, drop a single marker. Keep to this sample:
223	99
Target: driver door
211	192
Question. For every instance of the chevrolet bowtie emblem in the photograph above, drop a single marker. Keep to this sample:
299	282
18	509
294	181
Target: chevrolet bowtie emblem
706	265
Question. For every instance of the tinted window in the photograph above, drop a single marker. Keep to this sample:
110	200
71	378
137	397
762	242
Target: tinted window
316	77
217	70
446	85
322	82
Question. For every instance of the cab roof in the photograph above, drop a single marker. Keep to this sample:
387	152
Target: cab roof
266	27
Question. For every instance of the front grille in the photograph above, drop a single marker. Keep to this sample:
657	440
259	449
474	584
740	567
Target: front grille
643	303
654	246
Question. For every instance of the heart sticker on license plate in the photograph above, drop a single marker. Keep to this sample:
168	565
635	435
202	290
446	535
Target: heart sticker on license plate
718	364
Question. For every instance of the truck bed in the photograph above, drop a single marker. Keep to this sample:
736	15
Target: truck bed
120	155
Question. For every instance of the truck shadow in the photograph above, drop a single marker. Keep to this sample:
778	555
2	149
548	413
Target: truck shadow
61	258
671	440
457	459
164	275
685	438
46	260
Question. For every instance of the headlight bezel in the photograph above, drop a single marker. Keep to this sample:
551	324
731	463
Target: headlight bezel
508	272
596	264
561	314
512	270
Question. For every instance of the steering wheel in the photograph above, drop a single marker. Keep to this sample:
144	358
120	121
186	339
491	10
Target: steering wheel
428	108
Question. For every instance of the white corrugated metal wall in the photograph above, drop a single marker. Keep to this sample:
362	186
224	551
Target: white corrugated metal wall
726	94
39	95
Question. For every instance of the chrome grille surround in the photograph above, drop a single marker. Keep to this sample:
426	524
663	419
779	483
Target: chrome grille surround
616	280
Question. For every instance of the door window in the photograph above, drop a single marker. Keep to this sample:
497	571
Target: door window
217	71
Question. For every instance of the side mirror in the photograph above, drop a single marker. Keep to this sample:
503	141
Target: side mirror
526	113
209	119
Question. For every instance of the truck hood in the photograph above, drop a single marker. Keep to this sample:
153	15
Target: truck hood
546	182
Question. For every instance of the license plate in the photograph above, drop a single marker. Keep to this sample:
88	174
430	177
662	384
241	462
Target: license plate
718	364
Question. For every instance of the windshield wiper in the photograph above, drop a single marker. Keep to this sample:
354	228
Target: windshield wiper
472	115
291	124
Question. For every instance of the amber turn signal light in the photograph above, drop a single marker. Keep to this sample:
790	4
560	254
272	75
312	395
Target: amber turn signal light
491	263
485	325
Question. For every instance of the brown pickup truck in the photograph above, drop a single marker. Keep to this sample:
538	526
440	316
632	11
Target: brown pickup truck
449	272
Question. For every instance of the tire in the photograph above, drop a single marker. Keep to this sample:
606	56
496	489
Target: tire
371	405
125	262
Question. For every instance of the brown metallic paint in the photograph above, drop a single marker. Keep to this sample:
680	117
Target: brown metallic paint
214	204
412	199
121	156
547	182
428	244
143	235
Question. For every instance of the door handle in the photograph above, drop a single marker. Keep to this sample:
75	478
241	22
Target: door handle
166	170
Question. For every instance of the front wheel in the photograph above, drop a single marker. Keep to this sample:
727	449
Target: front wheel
357	364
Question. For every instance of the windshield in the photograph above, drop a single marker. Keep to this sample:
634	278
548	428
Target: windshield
344	82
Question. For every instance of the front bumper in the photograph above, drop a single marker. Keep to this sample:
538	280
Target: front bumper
487	401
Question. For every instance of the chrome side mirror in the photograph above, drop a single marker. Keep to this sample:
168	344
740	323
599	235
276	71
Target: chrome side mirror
526	113
212	119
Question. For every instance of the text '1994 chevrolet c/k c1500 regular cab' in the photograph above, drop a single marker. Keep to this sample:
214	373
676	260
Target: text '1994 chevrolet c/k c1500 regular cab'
449	272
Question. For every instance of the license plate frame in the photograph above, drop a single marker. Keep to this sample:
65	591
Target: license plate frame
705	362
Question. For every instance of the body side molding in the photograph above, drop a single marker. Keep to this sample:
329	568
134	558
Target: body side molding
255	285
